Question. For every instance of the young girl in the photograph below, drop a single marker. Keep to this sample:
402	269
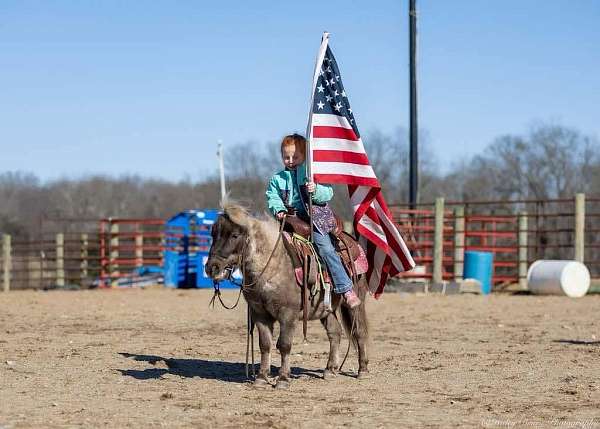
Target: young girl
289	189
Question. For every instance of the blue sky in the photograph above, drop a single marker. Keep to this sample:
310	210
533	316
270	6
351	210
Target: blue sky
148	88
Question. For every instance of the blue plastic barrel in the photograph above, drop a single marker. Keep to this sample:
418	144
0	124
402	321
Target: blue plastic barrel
479	266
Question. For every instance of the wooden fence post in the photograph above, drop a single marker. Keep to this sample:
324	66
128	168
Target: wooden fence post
579	227
438	238
114	254
84	257
459	242
523	250
139	250
60	260
6	261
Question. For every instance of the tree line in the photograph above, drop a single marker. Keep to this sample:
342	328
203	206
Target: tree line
550	161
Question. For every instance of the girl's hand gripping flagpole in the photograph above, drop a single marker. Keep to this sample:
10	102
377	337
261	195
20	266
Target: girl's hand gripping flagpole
309	175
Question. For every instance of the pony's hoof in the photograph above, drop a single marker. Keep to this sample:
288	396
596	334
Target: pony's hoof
363	375
261	383
282	384
329	374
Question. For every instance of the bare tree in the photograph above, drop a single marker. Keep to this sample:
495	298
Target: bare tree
551	161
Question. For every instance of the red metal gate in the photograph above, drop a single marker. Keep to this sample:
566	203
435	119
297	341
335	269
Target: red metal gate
499	235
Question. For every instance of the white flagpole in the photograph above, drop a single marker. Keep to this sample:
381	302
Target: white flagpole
318	63
221	169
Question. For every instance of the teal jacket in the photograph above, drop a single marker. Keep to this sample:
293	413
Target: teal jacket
284	190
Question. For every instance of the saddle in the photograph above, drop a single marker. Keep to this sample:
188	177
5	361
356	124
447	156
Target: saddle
310	273
296	243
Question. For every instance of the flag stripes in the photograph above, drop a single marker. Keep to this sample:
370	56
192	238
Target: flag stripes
337	155
340	156
334	133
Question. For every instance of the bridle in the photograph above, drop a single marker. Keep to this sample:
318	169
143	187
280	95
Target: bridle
241	263
230	269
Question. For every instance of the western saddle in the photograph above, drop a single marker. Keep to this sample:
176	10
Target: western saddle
311	274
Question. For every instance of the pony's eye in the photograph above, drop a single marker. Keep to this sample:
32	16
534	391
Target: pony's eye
235	235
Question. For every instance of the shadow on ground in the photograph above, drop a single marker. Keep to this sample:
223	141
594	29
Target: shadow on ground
233	372
579	342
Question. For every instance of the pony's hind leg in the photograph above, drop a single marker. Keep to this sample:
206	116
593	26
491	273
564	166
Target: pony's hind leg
265	342
334	333
356	323
361	335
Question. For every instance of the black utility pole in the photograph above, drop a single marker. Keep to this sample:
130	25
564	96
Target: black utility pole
414	155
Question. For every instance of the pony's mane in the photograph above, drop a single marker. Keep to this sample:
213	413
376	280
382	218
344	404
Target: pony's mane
263	230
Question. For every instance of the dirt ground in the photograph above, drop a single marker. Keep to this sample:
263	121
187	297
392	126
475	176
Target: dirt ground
155	357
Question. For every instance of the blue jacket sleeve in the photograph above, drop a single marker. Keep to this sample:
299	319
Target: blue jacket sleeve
274	202
322	194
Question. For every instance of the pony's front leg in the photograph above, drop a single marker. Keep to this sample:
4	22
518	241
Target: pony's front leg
265	341
334	333
284	345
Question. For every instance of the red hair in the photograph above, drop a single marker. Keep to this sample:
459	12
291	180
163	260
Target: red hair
294	140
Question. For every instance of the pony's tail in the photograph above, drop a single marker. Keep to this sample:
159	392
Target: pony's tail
355	321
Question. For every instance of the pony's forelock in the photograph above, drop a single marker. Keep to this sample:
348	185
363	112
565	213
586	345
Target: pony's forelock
236	212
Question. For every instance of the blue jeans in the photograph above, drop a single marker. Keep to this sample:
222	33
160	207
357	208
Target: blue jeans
324	246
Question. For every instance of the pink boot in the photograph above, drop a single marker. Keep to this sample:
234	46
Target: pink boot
351	299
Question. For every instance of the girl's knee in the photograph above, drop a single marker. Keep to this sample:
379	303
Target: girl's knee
324	244
327	252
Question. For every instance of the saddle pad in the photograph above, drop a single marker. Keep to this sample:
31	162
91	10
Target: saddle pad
361	264
299	275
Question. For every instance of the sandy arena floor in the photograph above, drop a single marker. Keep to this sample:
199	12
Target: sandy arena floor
154	358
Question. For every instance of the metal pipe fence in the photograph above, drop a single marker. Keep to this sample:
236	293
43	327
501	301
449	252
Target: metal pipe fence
101	252
517	232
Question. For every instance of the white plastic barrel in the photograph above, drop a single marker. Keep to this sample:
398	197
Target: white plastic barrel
554	277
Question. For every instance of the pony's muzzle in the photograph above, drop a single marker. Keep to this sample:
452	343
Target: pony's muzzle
214	270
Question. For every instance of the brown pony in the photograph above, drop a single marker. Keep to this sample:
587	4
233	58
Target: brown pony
240	239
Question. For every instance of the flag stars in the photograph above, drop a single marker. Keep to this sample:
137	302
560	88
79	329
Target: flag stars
332	96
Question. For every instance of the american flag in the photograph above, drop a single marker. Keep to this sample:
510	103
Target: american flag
337	155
